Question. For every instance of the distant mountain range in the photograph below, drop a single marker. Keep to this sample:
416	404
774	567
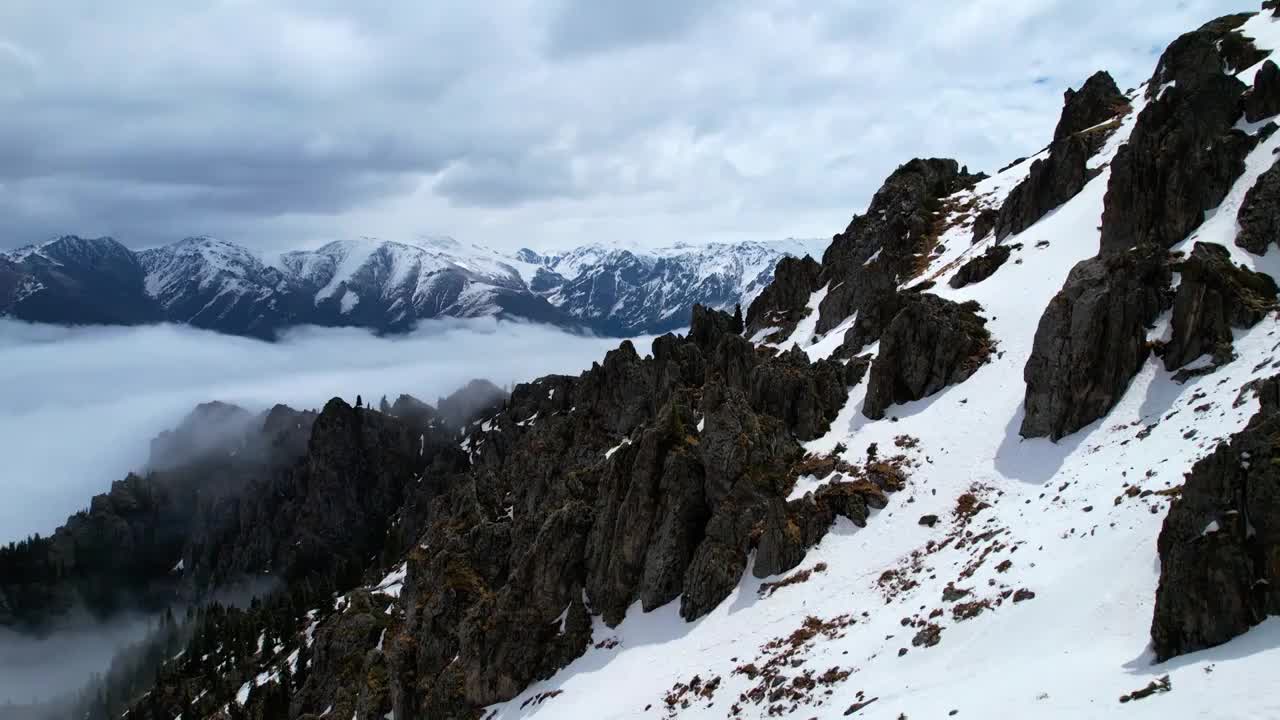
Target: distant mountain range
383	285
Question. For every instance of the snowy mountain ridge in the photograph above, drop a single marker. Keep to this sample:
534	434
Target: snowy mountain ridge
389	285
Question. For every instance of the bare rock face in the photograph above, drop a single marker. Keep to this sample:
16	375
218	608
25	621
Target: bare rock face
1259	215
885	246
647	479
1092	340
984	222
1263	99
1055	179
1184	153
1220	544
1096	102
930	344
782	303
1051	182
981	267
806	397
1215	295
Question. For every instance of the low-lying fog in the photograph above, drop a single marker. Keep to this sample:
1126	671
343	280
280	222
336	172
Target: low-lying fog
79	406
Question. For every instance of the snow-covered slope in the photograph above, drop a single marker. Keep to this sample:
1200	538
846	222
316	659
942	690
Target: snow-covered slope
1040	599
75	280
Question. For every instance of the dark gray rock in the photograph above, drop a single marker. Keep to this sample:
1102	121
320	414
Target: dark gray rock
1184	152
805	397
886	245
1214	296
1055	179
982	267
1050	182
1220	544
984	222
930	344
1097	101
1259	214
1092	340
1263	100
783	303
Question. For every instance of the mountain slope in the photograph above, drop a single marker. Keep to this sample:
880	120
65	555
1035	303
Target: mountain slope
73	280
963	467
383	285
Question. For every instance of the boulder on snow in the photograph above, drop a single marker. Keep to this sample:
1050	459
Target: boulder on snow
1263	100
1214	296
1092	340
1259	214
981	267
984	222
930	344
1220	544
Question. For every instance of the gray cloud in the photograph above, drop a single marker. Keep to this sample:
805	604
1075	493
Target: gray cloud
583	27
544	122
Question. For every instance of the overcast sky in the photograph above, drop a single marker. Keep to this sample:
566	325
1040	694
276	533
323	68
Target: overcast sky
546	123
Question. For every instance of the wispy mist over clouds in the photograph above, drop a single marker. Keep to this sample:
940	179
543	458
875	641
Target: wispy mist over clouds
41	668
82	404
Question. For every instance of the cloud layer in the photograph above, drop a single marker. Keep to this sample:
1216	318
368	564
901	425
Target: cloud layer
81	405
525	122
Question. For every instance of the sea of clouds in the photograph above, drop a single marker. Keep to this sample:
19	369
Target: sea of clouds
79	406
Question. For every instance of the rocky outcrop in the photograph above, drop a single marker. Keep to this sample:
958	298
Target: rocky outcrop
982	267
645	480
1214	296
1263	100
1220	544
1181	159
1092	340
888	244
1184	152
930	344
1063	173
1051	181
984	221
783	303
1097	101
1259	214
805	396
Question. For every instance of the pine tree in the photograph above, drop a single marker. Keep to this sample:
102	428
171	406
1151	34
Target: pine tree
737	319
359	401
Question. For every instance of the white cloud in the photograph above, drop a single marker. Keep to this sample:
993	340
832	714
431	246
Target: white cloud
81	404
